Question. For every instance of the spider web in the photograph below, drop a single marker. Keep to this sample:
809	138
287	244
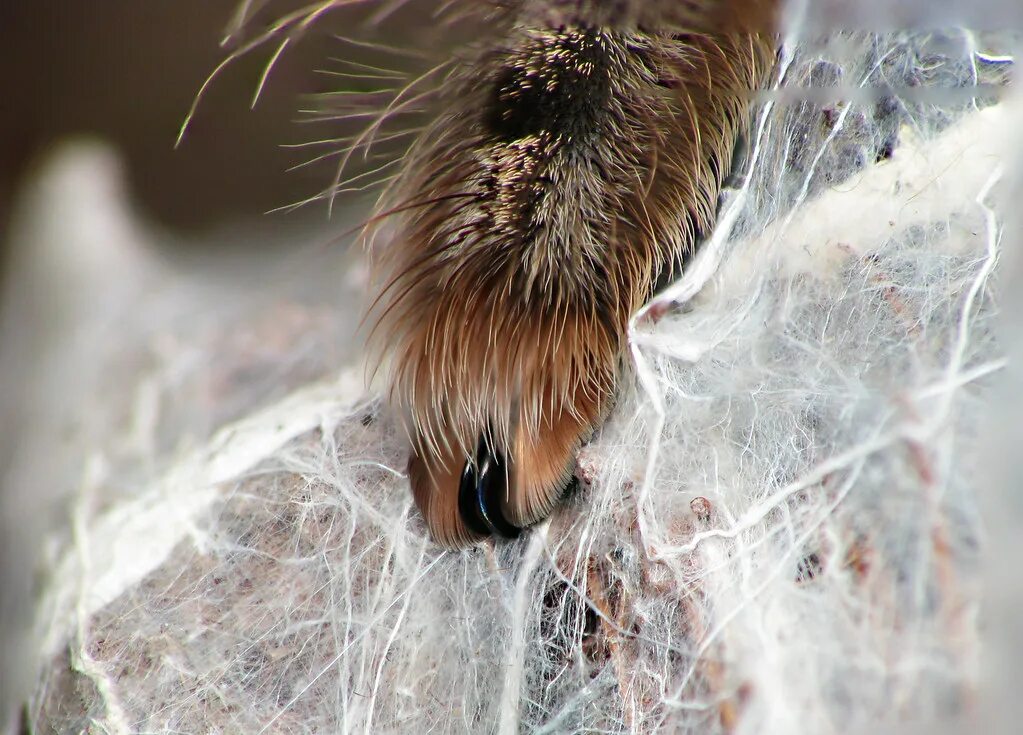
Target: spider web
778	529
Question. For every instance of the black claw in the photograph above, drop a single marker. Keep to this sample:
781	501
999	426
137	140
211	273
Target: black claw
470	502
484	483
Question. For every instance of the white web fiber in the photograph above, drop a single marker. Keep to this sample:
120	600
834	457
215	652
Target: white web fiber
777	531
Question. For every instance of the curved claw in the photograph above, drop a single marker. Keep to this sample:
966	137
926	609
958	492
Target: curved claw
481	490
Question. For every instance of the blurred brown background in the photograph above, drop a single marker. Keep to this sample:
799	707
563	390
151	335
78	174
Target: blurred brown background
127	71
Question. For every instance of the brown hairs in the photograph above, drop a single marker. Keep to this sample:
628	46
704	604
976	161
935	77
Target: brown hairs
574	163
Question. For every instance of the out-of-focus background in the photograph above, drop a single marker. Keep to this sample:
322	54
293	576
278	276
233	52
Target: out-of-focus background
127	72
